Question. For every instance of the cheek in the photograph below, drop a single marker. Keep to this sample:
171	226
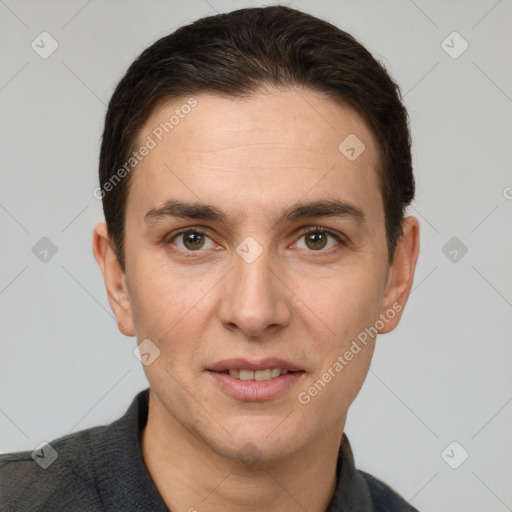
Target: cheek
342	308
173	311
346	352
341	303
329	393
165	306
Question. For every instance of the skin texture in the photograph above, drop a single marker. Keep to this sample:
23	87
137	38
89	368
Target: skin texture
300	302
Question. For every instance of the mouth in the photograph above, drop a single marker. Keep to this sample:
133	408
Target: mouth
255	380
259	375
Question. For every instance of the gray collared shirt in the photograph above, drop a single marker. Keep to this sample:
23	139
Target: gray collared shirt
102	469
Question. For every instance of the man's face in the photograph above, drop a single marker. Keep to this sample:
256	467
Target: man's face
255	286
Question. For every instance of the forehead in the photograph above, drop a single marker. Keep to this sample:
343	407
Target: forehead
250	153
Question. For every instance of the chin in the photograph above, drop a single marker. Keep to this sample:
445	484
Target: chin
255	439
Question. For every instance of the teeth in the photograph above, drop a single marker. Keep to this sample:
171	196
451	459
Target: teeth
258	375
262	374
246	375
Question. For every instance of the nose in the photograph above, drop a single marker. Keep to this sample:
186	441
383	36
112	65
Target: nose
254	298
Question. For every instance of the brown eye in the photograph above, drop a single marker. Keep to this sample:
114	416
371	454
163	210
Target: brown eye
191	240
316	240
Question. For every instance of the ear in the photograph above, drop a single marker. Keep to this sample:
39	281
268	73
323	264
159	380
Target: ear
401	274
115	279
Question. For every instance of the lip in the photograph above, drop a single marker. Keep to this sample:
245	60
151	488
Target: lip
253	390
262	364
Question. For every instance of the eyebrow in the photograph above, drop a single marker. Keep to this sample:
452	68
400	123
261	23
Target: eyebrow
297	211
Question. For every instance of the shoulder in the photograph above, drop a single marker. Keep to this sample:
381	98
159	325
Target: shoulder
383	497
57	476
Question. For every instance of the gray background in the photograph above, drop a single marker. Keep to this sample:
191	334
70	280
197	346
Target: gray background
442	376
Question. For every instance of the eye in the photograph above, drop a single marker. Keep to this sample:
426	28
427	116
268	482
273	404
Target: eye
192	240
317	238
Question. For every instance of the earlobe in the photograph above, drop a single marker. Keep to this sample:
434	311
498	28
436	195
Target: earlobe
116	285
401	274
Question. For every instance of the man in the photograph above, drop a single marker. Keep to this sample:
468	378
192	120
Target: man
255	169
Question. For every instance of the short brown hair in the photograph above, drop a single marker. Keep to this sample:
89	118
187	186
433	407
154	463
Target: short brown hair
236	54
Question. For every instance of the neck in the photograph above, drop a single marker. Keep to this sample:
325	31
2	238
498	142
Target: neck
191	477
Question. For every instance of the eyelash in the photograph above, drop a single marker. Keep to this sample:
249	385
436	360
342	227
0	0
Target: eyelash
313	229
